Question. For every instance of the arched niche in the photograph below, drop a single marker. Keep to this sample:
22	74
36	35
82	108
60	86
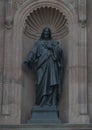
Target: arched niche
33	26
72	67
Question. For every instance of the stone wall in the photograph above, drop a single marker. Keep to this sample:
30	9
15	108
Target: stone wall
89	25
16	97
1	48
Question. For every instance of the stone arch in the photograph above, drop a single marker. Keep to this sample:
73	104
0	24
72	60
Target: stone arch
71	15
27	7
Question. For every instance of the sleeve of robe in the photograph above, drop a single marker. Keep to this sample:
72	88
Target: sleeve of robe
59	59
32	57
56	52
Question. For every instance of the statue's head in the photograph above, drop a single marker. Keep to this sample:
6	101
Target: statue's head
46	34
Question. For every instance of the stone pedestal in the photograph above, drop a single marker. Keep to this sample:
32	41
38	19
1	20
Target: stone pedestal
44	115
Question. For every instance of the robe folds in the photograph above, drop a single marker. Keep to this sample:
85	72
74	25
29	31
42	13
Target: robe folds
47	59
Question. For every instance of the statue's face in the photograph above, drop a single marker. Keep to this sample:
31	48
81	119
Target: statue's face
46	34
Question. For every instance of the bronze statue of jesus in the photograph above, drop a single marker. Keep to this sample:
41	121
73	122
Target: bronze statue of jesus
46	57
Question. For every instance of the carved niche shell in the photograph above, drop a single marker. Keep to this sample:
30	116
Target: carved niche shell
46	17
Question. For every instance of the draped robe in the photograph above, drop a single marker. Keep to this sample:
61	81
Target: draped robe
47	59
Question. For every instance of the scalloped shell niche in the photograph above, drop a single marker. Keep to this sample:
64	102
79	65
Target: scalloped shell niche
46	17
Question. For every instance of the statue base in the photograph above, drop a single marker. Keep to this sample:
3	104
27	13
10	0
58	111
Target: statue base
43	115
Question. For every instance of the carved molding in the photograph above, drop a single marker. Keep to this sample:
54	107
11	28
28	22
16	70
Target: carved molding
8	14
74	3
82	16
83	101
19	3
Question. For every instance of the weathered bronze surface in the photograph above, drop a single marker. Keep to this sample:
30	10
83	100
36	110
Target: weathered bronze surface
46	57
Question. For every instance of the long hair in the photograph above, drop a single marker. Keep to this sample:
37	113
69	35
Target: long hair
42	35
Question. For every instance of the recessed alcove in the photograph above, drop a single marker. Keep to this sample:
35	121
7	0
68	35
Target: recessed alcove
33	26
